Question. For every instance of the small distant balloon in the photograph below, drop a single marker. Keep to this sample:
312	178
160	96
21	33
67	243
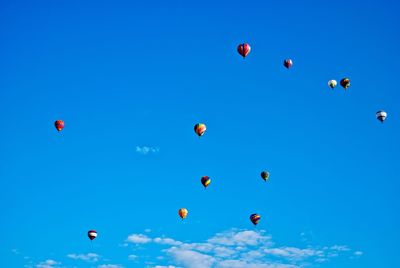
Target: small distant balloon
255	218
288	63
92	234
332	83
200	129
59	124
265	175
345	83
381	116
183	213
244	49
205	180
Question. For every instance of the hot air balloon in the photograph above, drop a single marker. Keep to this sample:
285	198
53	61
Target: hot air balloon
59	124
200	129
265	175
345	83
255	218
205	180
288	63
332	84
183	213
244	49
92	234
381	115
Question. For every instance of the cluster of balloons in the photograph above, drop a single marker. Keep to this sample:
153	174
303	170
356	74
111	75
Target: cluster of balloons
244	50
200	128
345	83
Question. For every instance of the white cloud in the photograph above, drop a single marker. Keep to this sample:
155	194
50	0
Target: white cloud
203	247
110	266
358	253
240	238
147	149
90	257
294	254
48	264
191	259
132	257
241	248
167	241
340	248
244	264
138	239
223	251
169	266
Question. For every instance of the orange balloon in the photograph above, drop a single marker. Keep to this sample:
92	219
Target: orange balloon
183	213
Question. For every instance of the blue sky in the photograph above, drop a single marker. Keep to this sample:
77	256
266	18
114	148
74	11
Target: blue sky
130	79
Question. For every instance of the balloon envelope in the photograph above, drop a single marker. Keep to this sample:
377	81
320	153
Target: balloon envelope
200	129
288	63
59	124
205	180
345	83
255	218
381	115
183	213
92	234
244	49
332	83
265	175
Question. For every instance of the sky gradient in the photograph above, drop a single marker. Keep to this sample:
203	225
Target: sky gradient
131	79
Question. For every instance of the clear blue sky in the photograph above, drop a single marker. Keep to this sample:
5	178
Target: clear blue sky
131	75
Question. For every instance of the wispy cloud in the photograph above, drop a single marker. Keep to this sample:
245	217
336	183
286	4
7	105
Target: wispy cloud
240	238
294	254
15	251
144	239
146	149
167	241
48	264
132	257
110	266
241	248
90	257
358	253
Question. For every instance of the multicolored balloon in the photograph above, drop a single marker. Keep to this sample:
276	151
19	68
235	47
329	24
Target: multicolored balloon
265	175
205	180
345	83
200	129
255	218
244	49
92	234
288	63
59	124
332	83
183	213
381	116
